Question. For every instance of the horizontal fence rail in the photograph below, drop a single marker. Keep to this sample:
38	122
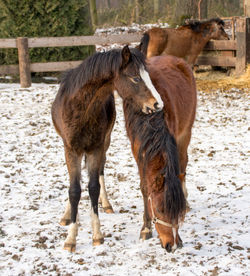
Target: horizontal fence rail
228	53
82	40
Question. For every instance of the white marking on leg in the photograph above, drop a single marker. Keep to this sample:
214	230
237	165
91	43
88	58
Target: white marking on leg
146	230
67	213
175	244
184	187
145	76
103	193
72	233
66	216
97	234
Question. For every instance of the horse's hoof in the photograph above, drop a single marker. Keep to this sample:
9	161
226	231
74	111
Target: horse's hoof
98	241
64	222
108	210
145	235
70	247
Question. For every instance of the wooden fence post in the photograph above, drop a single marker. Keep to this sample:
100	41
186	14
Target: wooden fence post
242	44
24	61
247	8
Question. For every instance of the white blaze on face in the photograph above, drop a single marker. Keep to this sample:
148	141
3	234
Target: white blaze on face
145	76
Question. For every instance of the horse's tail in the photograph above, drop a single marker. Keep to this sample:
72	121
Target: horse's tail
143	46
175	201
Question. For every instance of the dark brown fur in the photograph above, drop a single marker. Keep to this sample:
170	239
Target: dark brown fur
83	114
186	42
160	141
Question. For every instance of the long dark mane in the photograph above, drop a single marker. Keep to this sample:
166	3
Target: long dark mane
143	46
196	25
156	140
97	69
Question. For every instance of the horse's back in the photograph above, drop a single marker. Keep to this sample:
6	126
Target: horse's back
174	80
155	41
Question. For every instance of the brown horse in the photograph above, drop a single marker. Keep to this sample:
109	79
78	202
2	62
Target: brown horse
83	114
159	144
186	42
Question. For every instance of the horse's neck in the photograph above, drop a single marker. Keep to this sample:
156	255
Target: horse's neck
153	146
206	36
93	98
143	131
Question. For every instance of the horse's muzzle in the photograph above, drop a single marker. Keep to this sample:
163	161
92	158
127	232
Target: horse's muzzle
149	109
157	107
168	247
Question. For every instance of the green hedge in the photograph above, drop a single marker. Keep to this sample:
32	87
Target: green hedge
41	18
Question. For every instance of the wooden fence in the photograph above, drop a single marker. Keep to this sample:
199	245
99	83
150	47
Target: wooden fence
235	53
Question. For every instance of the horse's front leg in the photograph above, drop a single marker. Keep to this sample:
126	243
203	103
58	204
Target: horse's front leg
146	231
74	168
94	163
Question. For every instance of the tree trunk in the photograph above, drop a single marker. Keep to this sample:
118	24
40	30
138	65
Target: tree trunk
203	9
108	4
247	8
156	8
93	13
137	14
185	9
139	10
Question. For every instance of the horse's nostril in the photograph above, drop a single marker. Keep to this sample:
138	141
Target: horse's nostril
148	110
156	105
168	247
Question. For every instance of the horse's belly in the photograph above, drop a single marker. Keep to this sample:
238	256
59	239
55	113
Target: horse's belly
177	49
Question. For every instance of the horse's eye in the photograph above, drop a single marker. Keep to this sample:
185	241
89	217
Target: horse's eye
135	79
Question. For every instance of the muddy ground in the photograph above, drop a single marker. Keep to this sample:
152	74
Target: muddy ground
34	185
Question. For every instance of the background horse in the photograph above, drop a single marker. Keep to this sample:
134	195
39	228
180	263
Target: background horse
159	144
186	42
83	114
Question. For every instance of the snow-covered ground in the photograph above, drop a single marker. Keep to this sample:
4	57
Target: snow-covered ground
34	183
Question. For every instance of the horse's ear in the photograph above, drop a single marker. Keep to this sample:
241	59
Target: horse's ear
126	55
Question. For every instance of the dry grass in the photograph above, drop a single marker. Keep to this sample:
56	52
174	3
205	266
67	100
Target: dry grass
215	80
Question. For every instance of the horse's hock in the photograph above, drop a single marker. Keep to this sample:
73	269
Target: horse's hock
234	53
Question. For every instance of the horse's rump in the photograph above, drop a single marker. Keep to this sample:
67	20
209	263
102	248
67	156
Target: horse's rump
158	38
175	83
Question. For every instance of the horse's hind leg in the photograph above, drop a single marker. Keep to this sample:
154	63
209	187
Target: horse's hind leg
73	161
65	220
111	114
103	194
94	162
182	145
107	207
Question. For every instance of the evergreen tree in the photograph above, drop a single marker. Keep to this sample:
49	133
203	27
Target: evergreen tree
41	18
